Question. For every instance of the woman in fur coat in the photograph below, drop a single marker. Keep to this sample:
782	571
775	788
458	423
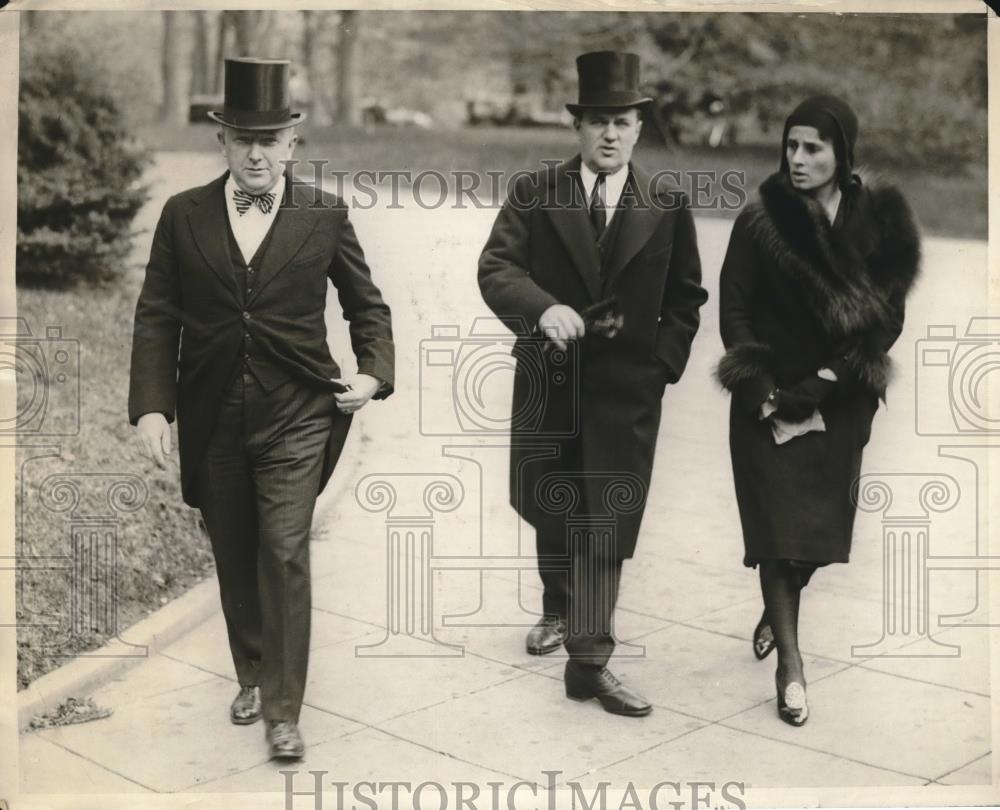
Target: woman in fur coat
811	298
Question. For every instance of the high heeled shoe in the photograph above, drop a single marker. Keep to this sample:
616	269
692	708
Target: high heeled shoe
763	638
793	707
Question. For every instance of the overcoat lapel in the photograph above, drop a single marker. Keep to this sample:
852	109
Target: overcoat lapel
208	228
292	226
565	207
640	213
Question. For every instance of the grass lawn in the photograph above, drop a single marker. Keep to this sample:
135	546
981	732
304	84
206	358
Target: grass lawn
161	549
947	203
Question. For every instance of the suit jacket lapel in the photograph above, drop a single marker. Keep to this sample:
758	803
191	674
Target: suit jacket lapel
567	209
208	221
292	226
640	212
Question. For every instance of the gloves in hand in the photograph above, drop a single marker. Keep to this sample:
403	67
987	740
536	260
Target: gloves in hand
750	394
798	402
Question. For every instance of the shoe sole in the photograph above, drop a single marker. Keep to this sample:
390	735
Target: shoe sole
543	650
287	755
787	717
584	698
245	721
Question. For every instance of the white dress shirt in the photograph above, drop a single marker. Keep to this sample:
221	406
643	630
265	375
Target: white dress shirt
252	226
614	185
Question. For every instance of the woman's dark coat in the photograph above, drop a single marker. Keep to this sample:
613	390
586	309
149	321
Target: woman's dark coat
797	294
584	423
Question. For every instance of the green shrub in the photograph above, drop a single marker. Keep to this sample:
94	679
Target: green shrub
78	172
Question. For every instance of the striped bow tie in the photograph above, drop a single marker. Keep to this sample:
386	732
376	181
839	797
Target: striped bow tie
244	200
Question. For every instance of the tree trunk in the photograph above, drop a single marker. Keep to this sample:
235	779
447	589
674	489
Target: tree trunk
29	21
201	71
174	102
220	52
347	104
312	100
245	26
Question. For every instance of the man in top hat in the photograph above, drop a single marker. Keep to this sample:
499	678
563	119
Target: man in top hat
594	263
230	338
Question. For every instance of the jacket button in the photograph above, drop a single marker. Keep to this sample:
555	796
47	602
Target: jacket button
246	316
246	357
250	270
249	290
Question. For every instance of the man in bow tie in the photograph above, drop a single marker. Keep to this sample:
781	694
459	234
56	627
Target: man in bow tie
599	260
230	338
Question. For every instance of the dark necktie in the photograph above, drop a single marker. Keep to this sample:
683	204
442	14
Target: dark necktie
245	199
598	214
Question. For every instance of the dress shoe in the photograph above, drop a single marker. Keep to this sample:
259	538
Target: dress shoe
763	638
584	683
793	707
546	636
246	706
284	739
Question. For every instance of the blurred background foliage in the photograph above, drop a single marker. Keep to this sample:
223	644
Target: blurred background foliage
918	82
79	171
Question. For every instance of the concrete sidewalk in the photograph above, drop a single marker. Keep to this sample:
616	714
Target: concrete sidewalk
687	608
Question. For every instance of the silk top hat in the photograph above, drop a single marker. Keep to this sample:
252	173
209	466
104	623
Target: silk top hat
608	79
257	95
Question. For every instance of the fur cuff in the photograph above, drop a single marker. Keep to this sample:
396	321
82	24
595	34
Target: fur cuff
746	361
871	367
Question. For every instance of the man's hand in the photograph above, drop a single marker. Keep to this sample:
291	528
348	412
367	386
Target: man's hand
154	433
361	388
560	323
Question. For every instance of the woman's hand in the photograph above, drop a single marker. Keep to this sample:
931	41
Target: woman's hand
798	402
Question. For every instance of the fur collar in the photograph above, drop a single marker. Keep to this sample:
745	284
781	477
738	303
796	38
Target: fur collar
851	276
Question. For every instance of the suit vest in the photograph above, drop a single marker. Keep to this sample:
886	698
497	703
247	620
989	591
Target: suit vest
268	372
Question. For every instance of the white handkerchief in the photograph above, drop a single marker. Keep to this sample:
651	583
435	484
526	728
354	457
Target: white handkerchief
786	431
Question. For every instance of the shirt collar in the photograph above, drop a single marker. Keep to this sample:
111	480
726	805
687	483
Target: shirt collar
614	184
278	189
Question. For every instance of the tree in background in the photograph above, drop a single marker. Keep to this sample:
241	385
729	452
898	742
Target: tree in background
173	109
78	172
347	104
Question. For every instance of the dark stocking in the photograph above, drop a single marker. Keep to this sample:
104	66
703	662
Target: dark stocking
780	584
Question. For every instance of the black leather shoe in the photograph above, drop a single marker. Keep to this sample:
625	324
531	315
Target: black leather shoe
285	740
246	706
546	636
763	638
584	683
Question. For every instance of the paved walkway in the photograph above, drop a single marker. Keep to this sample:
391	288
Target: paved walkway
687	607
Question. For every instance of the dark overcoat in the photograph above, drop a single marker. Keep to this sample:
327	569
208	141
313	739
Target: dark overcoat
798	293
587	420
189	322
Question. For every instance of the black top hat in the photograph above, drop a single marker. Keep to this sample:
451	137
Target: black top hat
257	95
608	79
